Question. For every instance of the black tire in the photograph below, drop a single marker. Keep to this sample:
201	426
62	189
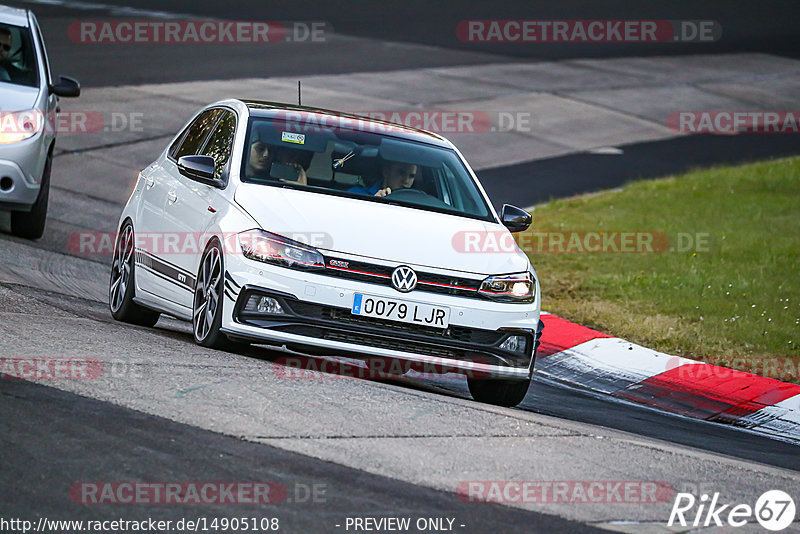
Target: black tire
207	303
122	285
498	392
30	224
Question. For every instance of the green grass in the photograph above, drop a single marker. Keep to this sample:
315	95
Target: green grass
736	295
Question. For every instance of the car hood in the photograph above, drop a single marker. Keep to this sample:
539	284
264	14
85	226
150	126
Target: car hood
381	231
17	97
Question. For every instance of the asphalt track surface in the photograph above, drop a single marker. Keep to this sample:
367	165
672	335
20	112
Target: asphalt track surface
51	438
41	426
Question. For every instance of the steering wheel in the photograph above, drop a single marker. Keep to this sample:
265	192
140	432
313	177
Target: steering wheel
398	194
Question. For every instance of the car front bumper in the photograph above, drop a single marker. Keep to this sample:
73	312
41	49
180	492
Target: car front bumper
21	167
317	321
17	193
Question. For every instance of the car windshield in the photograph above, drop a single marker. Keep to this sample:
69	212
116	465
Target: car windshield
17	57
361	163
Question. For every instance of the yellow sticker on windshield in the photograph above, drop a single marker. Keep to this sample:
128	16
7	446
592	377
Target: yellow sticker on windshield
293	138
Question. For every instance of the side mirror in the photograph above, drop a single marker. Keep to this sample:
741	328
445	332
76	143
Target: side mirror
515	219
200	169
66	87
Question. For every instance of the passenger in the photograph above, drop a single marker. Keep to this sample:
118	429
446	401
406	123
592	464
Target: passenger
261	157
258	160
395	175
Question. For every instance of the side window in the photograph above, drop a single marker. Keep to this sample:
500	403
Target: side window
197	133
174	148
19	64
220	144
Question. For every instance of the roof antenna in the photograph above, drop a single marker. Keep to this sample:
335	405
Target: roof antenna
299	98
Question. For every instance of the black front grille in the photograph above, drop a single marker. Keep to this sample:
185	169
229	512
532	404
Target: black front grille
358	338
381	275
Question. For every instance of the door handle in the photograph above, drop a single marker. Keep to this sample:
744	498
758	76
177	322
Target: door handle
172	197
149	182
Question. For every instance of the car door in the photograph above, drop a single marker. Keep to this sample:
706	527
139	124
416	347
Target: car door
167	280
190	205
152	196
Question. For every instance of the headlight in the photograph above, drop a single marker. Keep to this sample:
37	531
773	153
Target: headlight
19	125
509	288
271	248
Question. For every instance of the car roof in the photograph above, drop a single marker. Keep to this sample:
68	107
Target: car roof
13	16
265	109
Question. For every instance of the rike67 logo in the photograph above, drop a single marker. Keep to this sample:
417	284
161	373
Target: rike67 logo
774	510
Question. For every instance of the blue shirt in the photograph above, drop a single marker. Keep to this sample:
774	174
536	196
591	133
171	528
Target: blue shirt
370	191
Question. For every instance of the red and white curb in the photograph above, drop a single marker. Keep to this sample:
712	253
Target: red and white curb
581	356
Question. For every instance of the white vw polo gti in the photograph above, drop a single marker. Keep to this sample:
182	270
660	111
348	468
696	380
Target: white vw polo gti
322	233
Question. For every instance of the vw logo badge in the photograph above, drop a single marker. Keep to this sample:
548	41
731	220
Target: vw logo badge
404	279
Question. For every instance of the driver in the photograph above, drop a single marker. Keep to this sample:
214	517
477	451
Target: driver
8	72
396	176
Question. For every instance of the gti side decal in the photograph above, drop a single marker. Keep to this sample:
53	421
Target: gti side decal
163	269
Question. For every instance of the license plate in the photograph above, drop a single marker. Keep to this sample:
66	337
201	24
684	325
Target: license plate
401	311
